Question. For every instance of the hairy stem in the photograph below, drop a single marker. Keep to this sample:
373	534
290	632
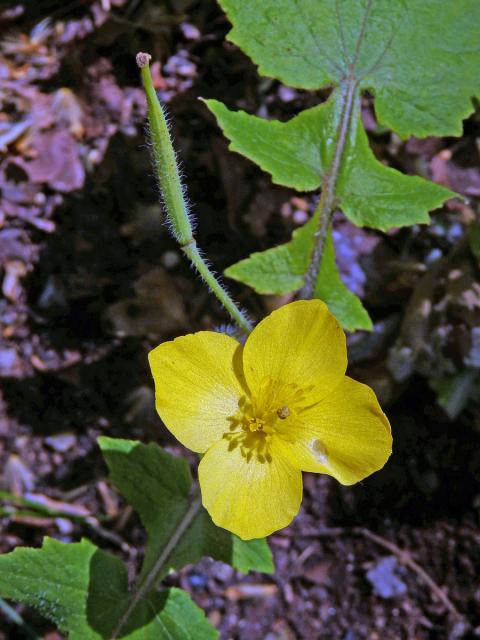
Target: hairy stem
152	576
174	201
173	195
192	252
326	205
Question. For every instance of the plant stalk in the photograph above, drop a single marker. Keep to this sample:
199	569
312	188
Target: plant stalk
326	204
173	195
192	252
151	577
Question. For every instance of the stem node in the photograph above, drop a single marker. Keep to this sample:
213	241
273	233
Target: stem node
326	205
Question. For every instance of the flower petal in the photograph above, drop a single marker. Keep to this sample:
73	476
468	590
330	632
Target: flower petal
250	495
300	343
345	435
198	383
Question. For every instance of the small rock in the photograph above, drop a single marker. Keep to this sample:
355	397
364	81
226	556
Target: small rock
286	94
170	259
197	580
17	477
190	31
222	572
383	579
61	442
10	363
53	296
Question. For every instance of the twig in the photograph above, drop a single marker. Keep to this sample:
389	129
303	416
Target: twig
51	514
405	558
111	536
152	576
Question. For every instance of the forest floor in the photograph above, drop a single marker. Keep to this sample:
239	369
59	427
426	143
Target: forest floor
91	282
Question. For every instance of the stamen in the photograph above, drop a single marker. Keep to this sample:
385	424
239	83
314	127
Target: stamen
255	424
283	412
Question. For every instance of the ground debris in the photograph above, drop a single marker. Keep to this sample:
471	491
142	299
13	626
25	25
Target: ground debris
384	579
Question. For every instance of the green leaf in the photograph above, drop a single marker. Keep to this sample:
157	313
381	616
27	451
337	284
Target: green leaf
281	270
85	592
298	153
409	54
454	392
158	485
373	195
345	305
420	58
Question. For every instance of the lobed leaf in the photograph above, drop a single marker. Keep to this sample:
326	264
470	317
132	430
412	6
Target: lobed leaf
279	270
85	592
282	269
420	58
298	153
345	305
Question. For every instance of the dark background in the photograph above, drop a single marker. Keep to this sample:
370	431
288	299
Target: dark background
91	281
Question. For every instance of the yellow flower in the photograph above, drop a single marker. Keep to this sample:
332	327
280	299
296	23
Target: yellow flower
267	411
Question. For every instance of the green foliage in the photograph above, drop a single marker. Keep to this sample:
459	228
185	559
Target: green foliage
158	485
298	154
85	592
278	270
344	304
420	60
282	269
454	392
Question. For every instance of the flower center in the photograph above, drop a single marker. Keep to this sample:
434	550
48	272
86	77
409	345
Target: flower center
255	424
267	414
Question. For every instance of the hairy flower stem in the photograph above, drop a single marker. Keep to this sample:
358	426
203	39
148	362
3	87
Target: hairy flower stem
326	204
155	572
192	252
173	196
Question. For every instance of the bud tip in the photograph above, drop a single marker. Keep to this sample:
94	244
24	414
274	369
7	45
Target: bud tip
143	59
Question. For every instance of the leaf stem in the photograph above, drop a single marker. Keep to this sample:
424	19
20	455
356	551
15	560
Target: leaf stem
326	204
151	577
173	195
